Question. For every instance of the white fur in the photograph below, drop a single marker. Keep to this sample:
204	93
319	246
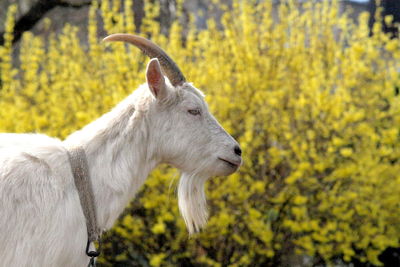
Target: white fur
42	223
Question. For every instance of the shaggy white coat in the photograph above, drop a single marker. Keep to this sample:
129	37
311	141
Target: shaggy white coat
41	219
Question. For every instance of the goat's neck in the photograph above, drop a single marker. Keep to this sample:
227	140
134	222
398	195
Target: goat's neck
119	157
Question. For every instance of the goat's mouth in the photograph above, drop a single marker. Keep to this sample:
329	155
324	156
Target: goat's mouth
230	163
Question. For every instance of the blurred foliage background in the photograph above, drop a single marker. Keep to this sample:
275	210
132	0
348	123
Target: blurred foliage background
311	96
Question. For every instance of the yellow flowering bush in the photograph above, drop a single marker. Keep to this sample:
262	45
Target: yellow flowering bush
312	98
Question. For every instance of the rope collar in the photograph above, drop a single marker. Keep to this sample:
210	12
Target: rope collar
80	171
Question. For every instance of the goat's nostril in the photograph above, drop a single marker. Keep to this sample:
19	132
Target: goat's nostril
238	151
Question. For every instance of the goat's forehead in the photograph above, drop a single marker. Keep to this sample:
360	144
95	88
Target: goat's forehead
189	87
192	92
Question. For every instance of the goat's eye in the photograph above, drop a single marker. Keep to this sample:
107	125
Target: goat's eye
194	112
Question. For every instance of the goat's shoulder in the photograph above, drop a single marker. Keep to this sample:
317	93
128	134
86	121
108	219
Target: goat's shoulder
32	158
37	192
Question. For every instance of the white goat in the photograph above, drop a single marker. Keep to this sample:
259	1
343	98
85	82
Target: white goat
163	121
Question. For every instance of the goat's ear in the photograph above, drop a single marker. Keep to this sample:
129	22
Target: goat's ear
155	79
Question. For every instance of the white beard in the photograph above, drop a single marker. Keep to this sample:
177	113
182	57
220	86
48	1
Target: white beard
192	201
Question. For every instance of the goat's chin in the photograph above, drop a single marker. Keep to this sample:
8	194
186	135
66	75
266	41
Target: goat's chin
192	201
225	169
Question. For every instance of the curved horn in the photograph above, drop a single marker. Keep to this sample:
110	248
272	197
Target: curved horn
152	50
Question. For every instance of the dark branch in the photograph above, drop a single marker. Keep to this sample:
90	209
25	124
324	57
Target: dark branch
74	5
35	14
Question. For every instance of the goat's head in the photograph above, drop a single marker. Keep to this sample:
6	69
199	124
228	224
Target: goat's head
188	136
